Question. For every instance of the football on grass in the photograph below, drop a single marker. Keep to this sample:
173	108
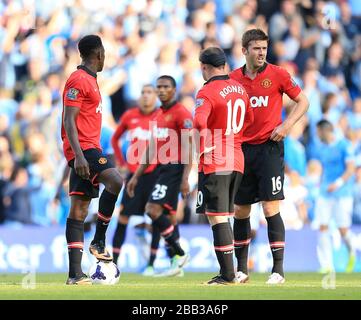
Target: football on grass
104	273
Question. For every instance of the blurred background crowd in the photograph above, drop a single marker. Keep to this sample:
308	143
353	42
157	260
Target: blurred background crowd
318	42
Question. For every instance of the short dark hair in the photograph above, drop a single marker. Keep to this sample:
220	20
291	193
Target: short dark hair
253	35
214	56
324	124
170	78
88	45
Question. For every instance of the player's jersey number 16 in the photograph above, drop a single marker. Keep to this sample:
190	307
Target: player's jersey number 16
232	115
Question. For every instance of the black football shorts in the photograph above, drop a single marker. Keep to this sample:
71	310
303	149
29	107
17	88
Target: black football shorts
216	193
263	173
166	189
143	189
98	162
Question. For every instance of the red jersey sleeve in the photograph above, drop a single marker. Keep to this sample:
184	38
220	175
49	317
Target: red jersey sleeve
288	85
185	120
122	127
74	93
202	112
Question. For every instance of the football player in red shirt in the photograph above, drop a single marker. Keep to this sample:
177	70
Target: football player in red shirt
263	151
81	127
222	114
136	123
167	149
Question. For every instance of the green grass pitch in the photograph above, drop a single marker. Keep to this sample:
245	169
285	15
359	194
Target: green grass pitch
136	287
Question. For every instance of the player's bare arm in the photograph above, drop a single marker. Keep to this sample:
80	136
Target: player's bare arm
281	131
147	157
81	166
188	150
120	162
64	177
350	170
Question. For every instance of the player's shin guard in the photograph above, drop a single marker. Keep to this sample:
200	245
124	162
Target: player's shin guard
106	207
154	245
223	246
74	234
276	237
167	231
242	239
118	240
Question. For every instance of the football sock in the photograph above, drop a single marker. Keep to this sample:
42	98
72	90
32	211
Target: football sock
118	240
276	237
106	207
167	231
223	246
324	251
242	239
154	245
74	233
169	249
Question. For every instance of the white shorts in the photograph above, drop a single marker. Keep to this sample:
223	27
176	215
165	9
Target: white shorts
338	208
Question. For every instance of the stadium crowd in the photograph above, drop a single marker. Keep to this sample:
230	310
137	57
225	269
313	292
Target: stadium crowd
318	42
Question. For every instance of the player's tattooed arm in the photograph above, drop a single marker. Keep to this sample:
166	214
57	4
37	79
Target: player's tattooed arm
81	166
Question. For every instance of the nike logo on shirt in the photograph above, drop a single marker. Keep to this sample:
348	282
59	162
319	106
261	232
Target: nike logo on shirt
274	193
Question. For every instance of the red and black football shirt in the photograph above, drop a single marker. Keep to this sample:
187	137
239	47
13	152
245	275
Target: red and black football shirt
171	123
223	114
82	91
138	127
265	93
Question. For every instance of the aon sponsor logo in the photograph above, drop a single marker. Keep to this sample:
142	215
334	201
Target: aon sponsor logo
160	133
259	101
141	134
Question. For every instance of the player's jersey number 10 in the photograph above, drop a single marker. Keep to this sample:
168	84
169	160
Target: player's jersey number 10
232	115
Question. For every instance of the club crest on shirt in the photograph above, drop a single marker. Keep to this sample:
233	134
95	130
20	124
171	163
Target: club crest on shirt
199	102
266	83
72	93
102	160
